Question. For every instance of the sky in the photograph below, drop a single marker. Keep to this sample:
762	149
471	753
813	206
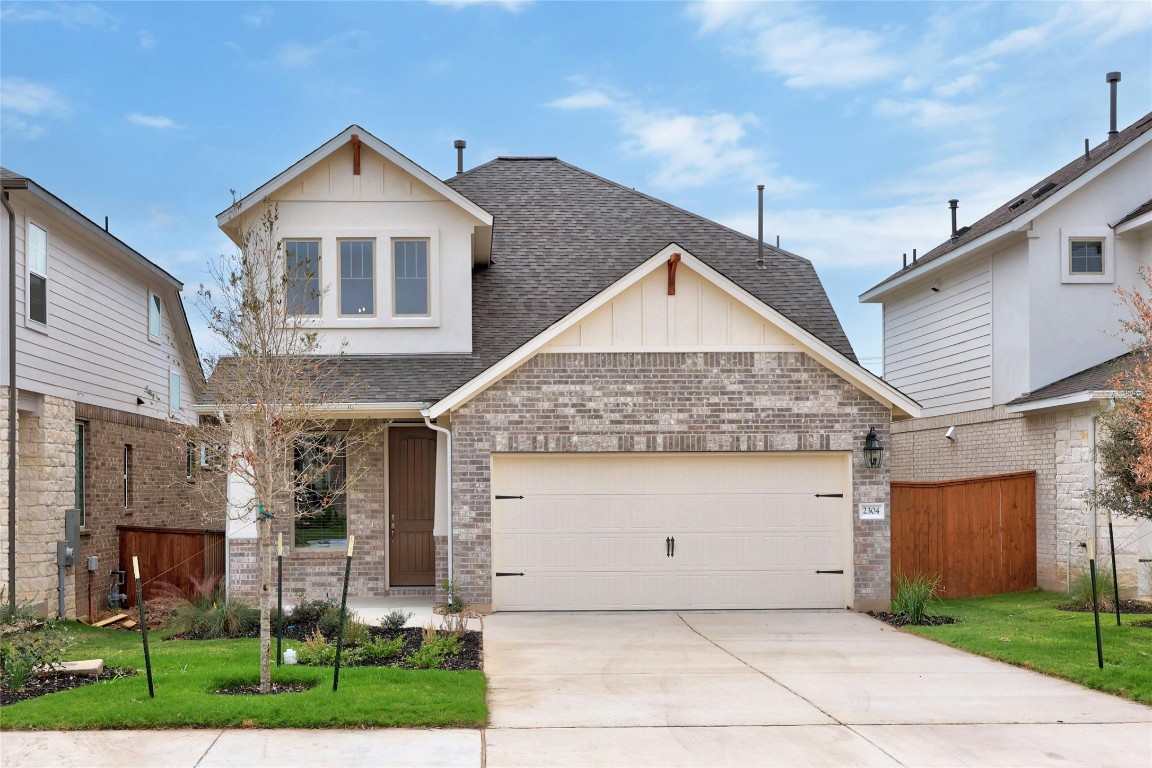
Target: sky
861	118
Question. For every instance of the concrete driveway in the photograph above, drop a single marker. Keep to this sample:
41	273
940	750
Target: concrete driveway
780	688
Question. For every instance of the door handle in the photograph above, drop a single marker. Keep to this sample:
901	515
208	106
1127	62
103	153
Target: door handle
673	546
667	547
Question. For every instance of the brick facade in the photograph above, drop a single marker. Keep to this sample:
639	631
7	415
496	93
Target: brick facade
654	402
1056	445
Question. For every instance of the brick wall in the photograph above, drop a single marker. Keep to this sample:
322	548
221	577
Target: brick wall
1056	445
652	402
160	495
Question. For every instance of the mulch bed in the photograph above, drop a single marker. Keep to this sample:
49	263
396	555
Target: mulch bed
254	689
40	685
1126	606
901	620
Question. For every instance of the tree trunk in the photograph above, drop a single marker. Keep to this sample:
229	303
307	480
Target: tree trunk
264	532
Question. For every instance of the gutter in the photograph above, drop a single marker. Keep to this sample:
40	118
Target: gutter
1064	401
11	401
448	438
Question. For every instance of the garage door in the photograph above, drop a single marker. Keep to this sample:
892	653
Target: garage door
671	531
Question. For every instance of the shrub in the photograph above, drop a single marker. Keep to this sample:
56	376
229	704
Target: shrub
310	611
316	651
213	620
22	653
381	649
1080	589
395	620
355	631
913	596
433	650
22	614
455	603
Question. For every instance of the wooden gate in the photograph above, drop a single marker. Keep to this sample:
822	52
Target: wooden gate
176	556
978	535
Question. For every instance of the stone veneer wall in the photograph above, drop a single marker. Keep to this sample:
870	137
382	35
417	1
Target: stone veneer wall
1056	445
653	402
161	495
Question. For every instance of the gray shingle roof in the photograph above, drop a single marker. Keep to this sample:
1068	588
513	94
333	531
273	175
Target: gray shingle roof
1098	378
560	236
1139	211
1035	195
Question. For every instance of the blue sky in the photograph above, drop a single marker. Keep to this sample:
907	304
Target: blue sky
861	118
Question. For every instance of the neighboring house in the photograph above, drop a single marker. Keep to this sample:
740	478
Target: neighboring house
1008	333
104	360
593	399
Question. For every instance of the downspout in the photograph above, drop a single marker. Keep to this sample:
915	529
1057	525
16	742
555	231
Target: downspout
11	402
448	456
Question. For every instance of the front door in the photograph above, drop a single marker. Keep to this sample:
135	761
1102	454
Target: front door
411	506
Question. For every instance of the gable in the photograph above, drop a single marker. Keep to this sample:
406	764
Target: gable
700	316
379	180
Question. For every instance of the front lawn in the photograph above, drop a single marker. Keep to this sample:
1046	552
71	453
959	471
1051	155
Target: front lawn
187	672
1027	629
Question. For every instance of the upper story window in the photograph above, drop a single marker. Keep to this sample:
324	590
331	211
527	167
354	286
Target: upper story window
1086	255
357	281
410	277
173	392
302	269
155	308
36	249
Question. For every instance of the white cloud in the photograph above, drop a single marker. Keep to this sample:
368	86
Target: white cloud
513	6
145	41
297	55
258	18
689	150
68	14
931	113
21	100
799	45
151	121
159	218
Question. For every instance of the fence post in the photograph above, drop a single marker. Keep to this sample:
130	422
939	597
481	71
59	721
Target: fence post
343	613
143	624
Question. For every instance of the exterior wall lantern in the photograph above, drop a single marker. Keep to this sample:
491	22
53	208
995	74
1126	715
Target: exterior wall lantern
873	451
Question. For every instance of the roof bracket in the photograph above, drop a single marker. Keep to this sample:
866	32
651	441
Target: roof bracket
673	260
355	154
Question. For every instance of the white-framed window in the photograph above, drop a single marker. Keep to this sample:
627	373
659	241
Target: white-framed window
173	392
357	284
1086	255
302	272
155	313
127	476
410	281
80	487
36	251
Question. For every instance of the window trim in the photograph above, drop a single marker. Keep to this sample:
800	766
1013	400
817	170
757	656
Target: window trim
339	437
374	292
427	277
28	274
319	269
81	481
1082	234
127	477
157	301
175	395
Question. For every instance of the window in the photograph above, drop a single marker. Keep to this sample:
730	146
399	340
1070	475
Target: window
127	476
37	252
357	286
321	508
190	460
154	310
1086	257
81	447
302	269
410	277
173	392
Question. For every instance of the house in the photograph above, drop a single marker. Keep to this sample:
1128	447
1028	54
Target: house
104	362
1007	333
593	399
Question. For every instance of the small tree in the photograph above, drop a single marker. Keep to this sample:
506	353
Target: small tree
271	393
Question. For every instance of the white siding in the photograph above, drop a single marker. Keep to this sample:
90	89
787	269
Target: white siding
95	348
938	345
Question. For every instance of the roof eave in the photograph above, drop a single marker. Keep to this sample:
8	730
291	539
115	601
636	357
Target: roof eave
1064	401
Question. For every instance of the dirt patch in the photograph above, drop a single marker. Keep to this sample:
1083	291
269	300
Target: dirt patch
254	689
45	684
901	620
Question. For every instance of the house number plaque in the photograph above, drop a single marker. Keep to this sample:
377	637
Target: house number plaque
872	511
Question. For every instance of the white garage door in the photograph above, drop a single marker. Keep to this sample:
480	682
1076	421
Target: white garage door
671	531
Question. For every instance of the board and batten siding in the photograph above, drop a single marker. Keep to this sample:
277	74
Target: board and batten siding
938	345
96	347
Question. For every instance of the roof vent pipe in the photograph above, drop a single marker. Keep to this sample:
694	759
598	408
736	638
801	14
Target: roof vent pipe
913	255
1087	151
905	260
1112	78
760	226
105	223
953	204
459	144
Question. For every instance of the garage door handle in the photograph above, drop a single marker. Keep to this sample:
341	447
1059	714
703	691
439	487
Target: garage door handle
498	497
839	571
819	496
673	546
667	546
508	573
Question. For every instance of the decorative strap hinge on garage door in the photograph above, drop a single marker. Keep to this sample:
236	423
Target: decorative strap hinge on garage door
819	496
498	497
508	573
839	571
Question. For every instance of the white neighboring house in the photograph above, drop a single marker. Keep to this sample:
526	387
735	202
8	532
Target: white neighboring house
104	361
1007	335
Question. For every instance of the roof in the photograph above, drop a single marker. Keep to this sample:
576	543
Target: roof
1022	204
1137	213
1098	378
11	180
561	235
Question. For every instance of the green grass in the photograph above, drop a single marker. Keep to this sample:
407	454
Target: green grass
1026	629
185	673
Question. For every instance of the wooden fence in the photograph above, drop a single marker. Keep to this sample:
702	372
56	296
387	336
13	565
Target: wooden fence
978	535
176	556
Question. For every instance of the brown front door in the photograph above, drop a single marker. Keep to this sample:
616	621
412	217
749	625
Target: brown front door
411	506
